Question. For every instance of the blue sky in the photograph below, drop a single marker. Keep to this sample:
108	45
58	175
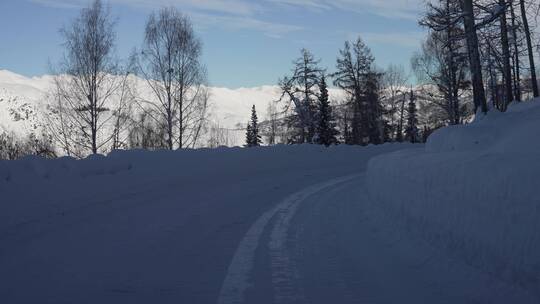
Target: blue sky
246	42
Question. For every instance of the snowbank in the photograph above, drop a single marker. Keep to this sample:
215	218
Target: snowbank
472	190
189	163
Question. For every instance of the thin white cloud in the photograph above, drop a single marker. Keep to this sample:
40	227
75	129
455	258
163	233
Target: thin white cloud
403	9
249	14
235	7
310	4
59	3
274	30
229	14
387	8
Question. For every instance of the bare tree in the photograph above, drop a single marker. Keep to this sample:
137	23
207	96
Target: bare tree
507	67
479	94
394	81
272	120
145	133
529	47
170	63
88	80
220	136
443	59
122	112
515	57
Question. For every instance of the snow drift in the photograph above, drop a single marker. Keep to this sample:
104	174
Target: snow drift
472	190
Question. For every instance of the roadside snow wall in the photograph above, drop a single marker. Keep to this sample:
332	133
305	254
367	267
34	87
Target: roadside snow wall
474	191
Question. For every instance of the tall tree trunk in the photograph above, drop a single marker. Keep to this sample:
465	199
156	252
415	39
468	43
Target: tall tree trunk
399	135
517	71
181	118
507	67
529	48
170	135
479	94
492	79
93	115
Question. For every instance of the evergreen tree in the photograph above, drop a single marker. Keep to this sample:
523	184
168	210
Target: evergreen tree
300	90
249	135
411	133
355	75
374	109
253	138
326	129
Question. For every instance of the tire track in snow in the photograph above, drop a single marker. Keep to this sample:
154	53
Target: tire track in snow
237	279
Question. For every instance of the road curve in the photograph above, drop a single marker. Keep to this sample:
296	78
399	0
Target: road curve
328	244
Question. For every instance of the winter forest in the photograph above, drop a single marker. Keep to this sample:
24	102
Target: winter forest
133	179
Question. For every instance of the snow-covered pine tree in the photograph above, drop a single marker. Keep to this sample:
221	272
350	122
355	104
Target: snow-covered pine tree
326	129
411	133
253	138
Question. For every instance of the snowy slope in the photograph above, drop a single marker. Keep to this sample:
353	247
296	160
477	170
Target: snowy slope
21	103
473	190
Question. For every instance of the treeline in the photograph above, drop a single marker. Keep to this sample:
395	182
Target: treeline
376	107
477	55
485	46
13	147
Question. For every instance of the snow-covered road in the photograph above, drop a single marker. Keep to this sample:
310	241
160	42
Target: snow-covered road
326	244
298	227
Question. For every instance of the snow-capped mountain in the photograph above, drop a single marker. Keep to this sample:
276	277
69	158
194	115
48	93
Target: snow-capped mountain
22	100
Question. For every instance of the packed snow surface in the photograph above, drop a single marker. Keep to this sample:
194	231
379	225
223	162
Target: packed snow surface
454	221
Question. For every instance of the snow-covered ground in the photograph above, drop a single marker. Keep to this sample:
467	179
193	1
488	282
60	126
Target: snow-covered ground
472	190
454	221
141	227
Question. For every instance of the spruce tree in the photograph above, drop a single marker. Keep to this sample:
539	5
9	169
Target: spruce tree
249	135
374	109
253	138
356	76
326	129
411	133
